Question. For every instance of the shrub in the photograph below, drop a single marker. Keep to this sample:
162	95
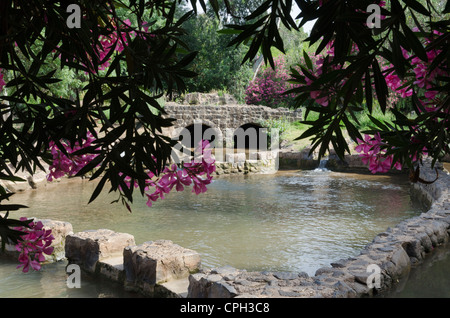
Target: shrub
270	85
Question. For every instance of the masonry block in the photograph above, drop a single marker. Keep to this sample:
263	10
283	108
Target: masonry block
157	262
87	248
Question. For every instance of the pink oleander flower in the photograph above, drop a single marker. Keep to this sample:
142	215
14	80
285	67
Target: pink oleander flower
197	172
117	41
69	165
33	245
374	156
364	145
2	81
270	86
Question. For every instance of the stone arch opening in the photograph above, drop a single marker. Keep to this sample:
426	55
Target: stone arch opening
250	136
192	134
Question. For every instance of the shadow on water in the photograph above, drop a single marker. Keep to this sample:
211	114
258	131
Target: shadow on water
430	279
51	282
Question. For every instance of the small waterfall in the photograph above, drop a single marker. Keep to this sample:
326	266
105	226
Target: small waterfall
322	165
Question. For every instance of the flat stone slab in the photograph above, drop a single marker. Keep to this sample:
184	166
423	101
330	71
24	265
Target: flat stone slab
112	268
178	288
87	248
157	262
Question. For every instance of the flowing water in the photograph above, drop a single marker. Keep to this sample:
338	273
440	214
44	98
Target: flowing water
290	221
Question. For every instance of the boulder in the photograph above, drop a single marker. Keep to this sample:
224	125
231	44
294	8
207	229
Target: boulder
60	231
87	248
209	286
157	262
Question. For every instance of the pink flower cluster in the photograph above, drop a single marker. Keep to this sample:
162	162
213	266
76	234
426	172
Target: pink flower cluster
322	96
373	155
426	79
109	43
423	77
198	172
33	245
2	81
71	164
397	85
270	85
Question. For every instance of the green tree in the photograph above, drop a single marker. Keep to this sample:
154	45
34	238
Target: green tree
294	44
356	77
217	65
122	87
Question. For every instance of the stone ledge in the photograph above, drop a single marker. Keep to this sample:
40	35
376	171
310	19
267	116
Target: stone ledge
112	268
37	180
155	268
176	288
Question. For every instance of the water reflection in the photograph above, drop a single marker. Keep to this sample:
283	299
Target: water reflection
50	282
291	221
431	279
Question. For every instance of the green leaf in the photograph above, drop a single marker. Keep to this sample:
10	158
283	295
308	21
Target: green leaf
397	55
378	123
447	7
99	187
229	31
353	132
381	88
414	43
417	6
11	178
309	132
307	60
215	6
368	91
11	207
9	235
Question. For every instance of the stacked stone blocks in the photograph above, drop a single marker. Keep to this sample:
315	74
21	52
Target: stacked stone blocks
142	268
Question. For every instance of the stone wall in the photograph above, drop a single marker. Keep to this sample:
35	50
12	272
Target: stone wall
303	160
297	160
241	163
223	117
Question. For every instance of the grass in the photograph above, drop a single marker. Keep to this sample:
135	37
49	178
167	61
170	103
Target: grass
365	122
296	129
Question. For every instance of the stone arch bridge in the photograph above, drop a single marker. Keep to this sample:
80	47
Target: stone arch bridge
221	116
